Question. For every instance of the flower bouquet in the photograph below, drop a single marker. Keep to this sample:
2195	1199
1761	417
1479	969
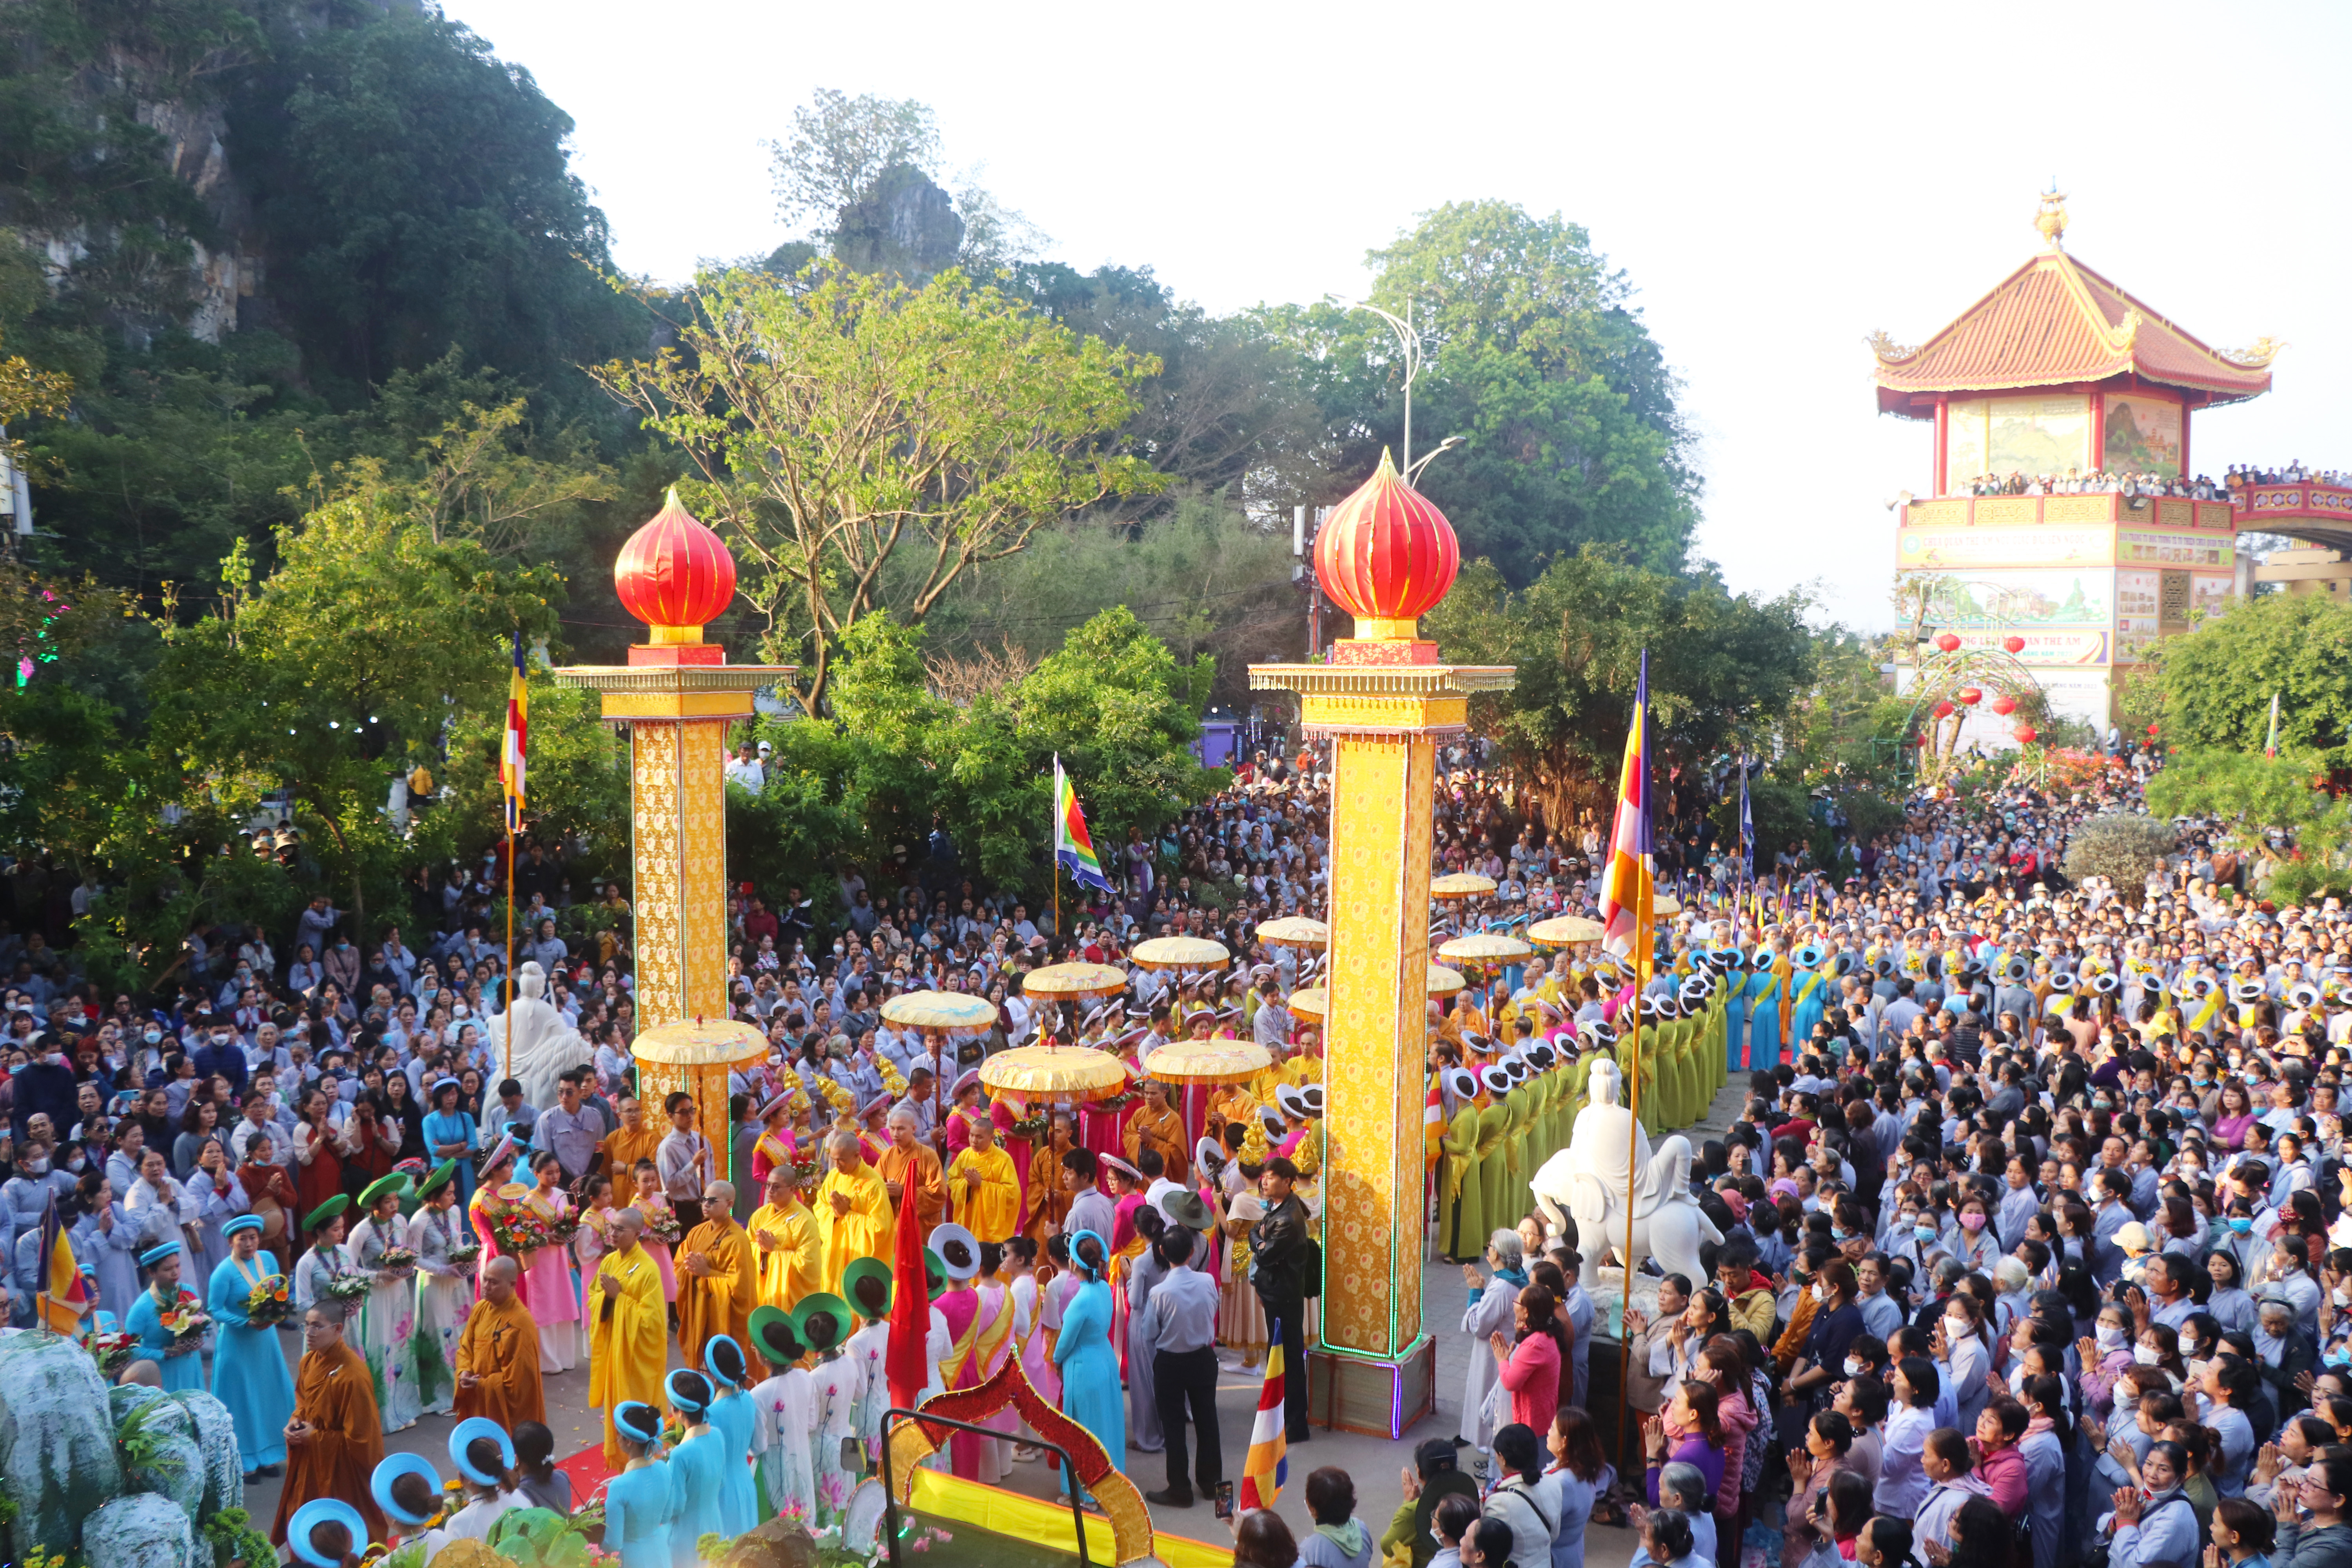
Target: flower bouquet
1034	1129
185	1318
112	1352
517	1230
560	1229
397	1260
661	1225
270	1303
345	1287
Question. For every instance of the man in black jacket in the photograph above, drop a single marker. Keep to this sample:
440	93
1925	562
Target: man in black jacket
1279	1247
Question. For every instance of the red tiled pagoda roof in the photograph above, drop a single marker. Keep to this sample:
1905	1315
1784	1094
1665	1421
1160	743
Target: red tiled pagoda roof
2055	323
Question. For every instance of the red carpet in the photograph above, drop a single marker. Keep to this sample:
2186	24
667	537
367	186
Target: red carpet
587	1472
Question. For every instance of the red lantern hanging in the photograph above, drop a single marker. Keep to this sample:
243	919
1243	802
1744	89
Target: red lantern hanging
1970	695
1947	641
2026	734
2004	705
2013	644
1943	710
2152	728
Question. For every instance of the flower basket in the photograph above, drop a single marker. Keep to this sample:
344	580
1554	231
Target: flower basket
269	1303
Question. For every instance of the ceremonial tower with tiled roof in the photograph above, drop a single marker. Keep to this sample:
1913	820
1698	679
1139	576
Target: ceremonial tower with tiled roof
2062	407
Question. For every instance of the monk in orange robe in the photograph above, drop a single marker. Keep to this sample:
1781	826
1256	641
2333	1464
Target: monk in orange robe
1157	1125
717	1277
497	1355
626	1144
336	1438
911	1161
1049	1205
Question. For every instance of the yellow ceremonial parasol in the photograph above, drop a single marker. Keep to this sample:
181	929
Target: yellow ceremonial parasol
1665	904
941	1010
1072	982
1295	930
1565	931
1209	1061
1462	885
1483	947
1053	1072
1181	952
1314	1001
696	1058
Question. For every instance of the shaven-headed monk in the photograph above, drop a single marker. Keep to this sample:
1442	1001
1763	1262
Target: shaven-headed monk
497	1355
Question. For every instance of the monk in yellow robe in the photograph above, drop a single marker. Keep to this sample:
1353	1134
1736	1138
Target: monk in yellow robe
1157	1125
497	1355
784	1239
718	1277
628	1329
336	1438
986	1189
911	1161
854	1216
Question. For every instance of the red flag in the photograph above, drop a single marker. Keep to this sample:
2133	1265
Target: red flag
910	1310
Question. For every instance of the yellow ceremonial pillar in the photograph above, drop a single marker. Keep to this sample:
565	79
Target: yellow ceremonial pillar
676	695
1384	701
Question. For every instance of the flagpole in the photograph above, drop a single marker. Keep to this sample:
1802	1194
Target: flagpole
507	1012
1643	916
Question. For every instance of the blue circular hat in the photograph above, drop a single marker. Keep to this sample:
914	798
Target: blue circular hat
396	1466
463	1436
324	1511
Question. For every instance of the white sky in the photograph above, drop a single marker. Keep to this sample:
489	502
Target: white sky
1776	181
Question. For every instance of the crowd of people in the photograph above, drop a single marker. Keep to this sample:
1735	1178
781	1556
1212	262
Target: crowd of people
2028	1215
2098	482
2243	476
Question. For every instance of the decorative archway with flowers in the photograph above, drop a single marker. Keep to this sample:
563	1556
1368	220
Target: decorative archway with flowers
1957	678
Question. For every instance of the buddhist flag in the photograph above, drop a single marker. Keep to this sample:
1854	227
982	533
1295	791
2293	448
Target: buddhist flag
1746	828
2270	740
1627	887
1072	844
1268	1464
517	746
62	1294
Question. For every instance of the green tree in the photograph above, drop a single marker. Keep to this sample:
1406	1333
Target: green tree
1112	703
833	424
2219	681
414	191
1534	354
2256	797
1722	667
338	671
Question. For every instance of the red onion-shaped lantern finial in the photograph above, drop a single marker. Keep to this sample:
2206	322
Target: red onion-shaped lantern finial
1386	556
675	574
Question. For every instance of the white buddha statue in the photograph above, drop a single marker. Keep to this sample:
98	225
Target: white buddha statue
545	1047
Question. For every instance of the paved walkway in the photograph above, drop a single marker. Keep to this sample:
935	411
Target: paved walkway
1375	1463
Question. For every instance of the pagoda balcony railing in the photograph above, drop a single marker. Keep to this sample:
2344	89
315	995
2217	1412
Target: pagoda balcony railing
2012	512
2308	499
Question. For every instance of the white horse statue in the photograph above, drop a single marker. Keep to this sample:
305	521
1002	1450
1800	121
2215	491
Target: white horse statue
1587	1179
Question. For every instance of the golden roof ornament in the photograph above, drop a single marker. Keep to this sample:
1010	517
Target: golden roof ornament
2051	219
2256	355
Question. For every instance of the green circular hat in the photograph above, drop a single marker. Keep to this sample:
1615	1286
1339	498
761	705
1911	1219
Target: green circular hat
935	1273
397	1183
442	1176
765	1321
327	1211
822	1320
866	1283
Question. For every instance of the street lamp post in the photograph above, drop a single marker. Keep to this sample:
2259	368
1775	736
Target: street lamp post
1409	343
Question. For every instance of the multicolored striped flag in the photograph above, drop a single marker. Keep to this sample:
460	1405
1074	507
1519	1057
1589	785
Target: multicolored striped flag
1628	886
513	752
62	1293
1073	847
1268	1464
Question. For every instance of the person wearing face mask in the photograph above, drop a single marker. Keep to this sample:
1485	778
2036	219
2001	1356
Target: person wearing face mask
2159	1525
2105	1357
44	1085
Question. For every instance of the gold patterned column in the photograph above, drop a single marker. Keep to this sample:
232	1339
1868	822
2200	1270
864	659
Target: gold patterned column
676	695
1386	556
